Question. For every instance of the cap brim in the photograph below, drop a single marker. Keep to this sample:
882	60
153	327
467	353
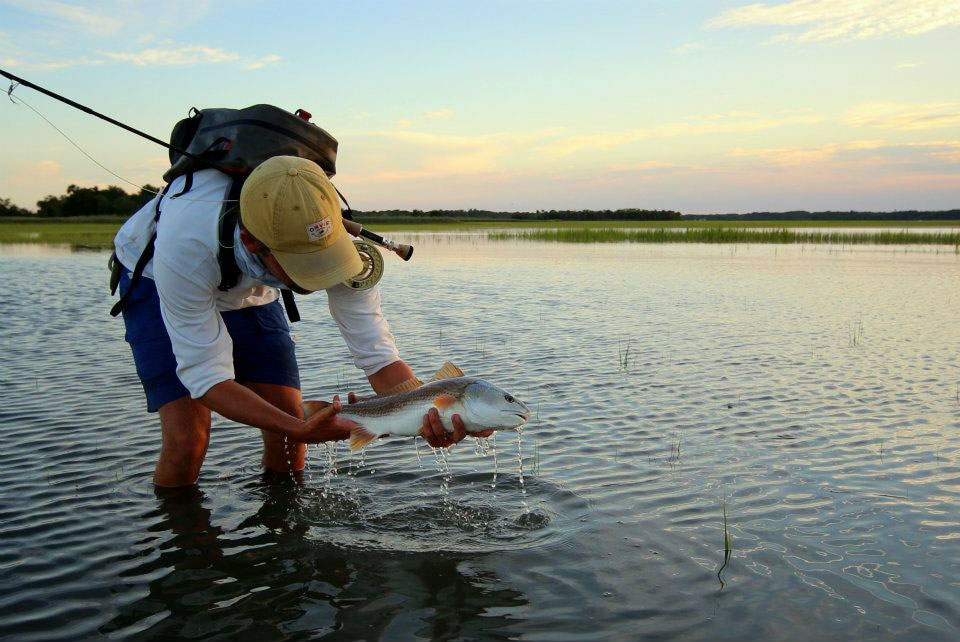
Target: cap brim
324	268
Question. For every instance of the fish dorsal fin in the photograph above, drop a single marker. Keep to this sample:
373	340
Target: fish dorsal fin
448	371
406	386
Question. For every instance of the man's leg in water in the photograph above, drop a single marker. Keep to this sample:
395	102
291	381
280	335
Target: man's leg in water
185	423
279	454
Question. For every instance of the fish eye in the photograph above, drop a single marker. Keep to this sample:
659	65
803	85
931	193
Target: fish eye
509	398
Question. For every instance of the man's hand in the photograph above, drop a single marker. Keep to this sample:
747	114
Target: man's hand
438	437
324	425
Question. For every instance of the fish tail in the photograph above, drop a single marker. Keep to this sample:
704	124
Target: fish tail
310	407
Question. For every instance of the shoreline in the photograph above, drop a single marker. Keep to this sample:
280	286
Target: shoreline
97	232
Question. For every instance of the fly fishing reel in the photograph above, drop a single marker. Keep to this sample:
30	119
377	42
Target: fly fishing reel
372	267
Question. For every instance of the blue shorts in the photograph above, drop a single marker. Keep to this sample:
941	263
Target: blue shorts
263	351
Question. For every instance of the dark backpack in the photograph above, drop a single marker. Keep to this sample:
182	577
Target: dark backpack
234	141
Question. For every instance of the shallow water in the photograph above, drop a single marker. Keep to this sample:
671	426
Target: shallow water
813	391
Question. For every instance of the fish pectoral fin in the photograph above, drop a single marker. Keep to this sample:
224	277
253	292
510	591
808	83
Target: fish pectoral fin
442	402
448	371
310	407
360	437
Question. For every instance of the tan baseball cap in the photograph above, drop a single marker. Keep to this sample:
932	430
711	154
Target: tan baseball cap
289	204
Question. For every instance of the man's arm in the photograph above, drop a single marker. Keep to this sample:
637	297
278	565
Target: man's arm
204	354
239	403
386	379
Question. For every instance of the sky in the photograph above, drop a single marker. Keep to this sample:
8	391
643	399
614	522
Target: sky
701	106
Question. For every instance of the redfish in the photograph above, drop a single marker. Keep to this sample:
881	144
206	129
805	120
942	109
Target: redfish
480	404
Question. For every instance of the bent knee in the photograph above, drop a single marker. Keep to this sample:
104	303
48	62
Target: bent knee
186	427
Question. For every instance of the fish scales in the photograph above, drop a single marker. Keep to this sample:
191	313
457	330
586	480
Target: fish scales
379	406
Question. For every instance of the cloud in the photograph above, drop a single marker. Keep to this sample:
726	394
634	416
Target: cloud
170	55
99	23
905	117
863	154
34	173
716	187
112	17
16	63
262	62
801	155
819	20
687	48
726	123
439	114
648	166
189	55
404	154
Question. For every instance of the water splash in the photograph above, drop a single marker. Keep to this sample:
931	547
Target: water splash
443	467
330	466
496	465
523	487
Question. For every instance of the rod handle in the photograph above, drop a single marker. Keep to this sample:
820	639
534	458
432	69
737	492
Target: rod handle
402	250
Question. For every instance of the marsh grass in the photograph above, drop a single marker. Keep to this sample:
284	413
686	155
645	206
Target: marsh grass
781	236
83	235
675	449
727	545
855	333
623	354
98	231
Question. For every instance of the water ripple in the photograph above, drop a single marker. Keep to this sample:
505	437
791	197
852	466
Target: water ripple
668	385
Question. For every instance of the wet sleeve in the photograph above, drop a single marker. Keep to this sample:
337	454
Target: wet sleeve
363	327
201	343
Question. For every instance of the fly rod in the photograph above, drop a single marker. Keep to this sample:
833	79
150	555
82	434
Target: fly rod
355	229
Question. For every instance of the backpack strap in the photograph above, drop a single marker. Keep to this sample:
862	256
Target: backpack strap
290	305
147	251
229	270
229	216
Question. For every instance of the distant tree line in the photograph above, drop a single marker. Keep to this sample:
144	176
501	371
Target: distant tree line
114	201
803	215
84	201
626	214
9	209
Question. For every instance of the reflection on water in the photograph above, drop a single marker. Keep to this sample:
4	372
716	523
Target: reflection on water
814	391
37	249
266	579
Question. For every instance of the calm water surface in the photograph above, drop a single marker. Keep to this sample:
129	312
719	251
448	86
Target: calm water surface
812	391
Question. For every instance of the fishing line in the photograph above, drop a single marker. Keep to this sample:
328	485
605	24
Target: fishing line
18	100
355	229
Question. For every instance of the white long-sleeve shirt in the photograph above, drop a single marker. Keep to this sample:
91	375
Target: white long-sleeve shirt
186	272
